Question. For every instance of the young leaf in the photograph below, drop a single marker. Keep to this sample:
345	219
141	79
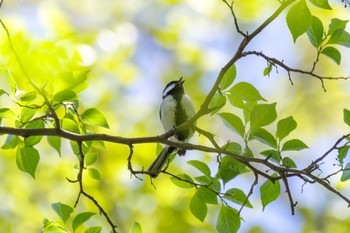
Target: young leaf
202	167
11	142
237	196
33	140
273	154
340	37
269	192
294	144
262	114
233	147
346	117
62	210
346	173
90	158
135	228
53	227
299	19
315	32
96	229
230	168
27	114
198	207
93	116
246	91
228	220
268	70
183	183
342	153
288	162
27	159
229	77
285	126
55	142
233	122
28	97
263	136
207	195
65	95
7	113
321	4
80	219
335	25
217	102
94	173
332	53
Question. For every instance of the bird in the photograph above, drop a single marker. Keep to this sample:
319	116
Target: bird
175	109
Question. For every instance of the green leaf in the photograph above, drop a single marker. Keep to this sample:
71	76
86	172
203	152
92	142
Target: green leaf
268	70
228	220
289	163
269	192
198	207
207	195
340	37
96	229
70	125
90	158
342	153
202	167
315	32
299	19
11	142
2	91
135	228
233	122
217	102
294	144
65	95
62	210
346	114
246	91
335	25
233	147
321	4
80	219
229	77
94	173
332	53
55	142
27	160
237	196
263	136
93	116
28	97
183	183
273	154
7	113
230	168
33	140
27	114
262	115
285	127
346	173
53	227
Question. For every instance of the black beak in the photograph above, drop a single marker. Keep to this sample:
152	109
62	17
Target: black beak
181	81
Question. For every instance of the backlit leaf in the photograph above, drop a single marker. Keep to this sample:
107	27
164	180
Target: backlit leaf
332	53
299	19
27	159
198	207
285	126
93	116
246	91
228	220
294	144
233	122
321	4
237	196
262	115
63	210
135	228
269	192
202	167
228	78
80	219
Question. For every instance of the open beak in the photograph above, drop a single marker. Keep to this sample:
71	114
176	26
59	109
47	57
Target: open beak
181	81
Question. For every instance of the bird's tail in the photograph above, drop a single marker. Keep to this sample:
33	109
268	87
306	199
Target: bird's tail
159	162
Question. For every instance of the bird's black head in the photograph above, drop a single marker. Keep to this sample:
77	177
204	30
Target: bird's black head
174	88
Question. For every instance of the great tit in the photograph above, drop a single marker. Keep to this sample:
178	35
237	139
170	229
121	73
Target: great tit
175	109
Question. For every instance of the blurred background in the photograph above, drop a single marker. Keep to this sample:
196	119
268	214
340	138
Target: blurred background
133	49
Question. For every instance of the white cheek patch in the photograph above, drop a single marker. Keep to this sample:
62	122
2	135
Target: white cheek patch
168	89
